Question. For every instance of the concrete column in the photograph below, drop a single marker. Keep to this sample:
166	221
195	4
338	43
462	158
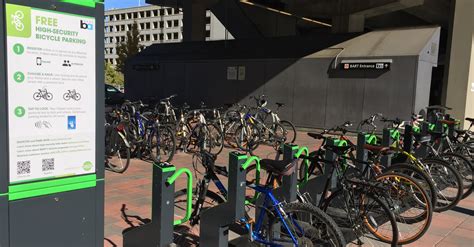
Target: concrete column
460	80
194	21
348	23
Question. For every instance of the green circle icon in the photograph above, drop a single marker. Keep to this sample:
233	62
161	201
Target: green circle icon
87	166
18	49
20	111
19	77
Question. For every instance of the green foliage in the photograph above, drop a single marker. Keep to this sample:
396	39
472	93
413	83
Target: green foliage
112	76
129	48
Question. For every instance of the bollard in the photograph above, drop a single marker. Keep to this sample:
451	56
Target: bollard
361	152
408	139
215	221
159	232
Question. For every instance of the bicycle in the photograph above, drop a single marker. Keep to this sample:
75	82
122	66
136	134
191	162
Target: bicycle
72	94
298	224
43	94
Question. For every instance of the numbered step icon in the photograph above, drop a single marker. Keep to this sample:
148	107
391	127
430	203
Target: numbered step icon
19	77
18	49
20	111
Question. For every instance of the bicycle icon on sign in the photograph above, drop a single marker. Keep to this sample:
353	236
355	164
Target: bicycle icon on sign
17	20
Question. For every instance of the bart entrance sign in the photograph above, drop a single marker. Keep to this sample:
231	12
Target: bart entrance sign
51	94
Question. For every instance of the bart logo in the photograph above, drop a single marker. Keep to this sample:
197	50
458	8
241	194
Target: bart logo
18	21
87	26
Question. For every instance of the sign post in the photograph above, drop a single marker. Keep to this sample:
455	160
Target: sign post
51	123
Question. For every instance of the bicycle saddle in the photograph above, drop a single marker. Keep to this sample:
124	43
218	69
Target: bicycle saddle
339	150
280	104
278	167
470	119
316	135
448	122
422	139
378	149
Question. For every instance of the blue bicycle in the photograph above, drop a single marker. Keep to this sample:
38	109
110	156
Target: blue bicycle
277	224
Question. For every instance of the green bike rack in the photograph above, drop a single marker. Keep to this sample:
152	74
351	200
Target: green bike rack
305	163
189	194
248	162
159	232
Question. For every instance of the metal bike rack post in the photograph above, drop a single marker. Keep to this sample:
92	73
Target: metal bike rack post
330	157
215	221
289	185
159	232
386	142
408	139
423	151
361	152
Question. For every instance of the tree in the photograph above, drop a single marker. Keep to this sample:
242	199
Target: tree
112	76
128	48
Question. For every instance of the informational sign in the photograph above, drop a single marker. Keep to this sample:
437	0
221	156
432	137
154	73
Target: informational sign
232	73
366	64
51	93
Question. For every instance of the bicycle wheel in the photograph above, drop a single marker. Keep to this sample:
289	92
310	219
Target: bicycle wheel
187	234
448	183
215	139
118	153
466	149
277	135
363	217
230	129
162	145
409	203
309	225
422	178
247	137
465	169
290	131
66	96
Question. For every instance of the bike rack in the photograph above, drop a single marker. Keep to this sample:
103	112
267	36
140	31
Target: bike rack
361	153
315	186
215	222
159	232
423	151
386	142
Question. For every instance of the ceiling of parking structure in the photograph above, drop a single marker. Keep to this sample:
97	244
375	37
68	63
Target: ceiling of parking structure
387	43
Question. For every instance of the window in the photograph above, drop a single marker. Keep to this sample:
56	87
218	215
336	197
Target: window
208	20
155	36
122	28
148	13
169	24
129	27
147	37
147	25
208	33
175	35
162	12
168	36
142	37
162	36
155	12
135	15
122	16
176	23
142	14
162	24
129	15
142	26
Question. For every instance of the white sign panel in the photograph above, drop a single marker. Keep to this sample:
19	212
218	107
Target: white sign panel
241	73
51	93
232	73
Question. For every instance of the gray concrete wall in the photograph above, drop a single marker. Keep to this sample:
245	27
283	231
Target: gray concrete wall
314	97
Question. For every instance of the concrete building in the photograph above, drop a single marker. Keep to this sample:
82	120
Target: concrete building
156	25
258	25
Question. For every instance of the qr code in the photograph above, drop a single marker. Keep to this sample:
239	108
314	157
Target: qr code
23	167
47	165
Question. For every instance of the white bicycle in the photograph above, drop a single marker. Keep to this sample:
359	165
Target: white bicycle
17	17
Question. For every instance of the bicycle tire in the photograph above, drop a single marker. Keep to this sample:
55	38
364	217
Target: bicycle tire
216	140
402	190
465	169
117	139
289	127
329	206
444	202
167	147
419	175
319	226
252	139
184	234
